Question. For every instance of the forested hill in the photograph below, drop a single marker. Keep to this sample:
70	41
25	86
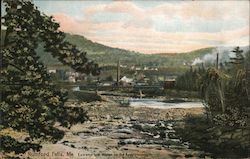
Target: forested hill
105	55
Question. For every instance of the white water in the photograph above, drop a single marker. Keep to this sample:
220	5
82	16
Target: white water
154	103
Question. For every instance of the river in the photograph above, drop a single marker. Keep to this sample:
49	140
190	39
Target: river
161	104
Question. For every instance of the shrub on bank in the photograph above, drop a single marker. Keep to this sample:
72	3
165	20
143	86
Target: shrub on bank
225	91
225	142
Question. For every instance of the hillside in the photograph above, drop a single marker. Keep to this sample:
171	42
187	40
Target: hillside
105	55
189	55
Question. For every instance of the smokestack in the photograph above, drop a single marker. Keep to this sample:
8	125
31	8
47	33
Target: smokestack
217	61
202	66
118	73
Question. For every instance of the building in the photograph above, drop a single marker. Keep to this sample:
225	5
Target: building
125	81
52	71
169	83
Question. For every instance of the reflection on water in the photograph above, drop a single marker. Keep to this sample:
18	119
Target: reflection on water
156	103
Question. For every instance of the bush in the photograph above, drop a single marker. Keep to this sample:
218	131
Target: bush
220	141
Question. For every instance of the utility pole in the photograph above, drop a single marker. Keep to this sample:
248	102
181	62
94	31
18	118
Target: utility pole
118	73
217	61
202	66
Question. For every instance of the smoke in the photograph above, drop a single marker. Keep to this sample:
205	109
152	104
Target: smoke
224	55
197	61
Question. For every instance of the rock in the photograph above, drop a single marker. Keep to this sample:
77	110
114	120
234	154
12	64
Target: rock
176	147
118	117
175	140
148	127
162	134
124	137
85	147
157	136
170	124
160	124
126	131
119	136
151	142
169	131
186	143
83	136
172	135
108	117
65	142
132	141
126	118
169	127
137	127
133	118
86	131
147	133
189	155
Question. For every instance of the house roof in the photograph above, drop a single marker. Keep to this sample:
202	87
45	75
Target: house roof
127	80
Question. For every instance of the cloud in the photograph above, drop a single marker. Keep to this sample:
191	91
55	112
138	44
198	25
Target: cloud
167	27
139	18
208	10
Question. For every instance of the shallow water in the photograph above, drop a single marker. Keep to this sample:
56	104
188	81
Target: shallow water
156	103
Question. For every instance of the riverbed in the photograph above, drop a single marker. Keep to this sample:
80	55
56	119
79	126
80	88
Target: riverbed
131	132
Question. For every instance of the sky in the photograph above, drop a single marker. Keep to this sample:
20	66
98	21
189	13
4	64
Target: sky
154	26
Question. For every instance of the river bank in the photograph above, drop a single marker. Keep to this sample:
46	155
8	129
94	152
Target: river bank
123	132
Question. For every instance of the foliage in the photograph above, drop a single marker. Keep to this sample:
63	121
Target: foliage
8	144
239	58
30	102
220	141
226	93
226	96
190	79
212	89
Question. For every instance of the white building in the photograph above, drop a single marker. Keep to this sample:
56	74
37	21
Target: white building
52	71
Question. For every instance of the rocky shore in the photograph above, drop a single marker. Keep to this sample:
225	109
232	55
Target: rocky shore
123	132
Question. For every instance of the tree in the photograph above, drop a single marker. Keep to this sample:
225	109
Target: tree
238	60
247	65
29	100
226	93
212	86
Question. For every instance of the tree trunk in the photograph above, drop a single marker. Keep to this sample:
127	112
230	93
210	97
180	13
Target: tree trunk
221	95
